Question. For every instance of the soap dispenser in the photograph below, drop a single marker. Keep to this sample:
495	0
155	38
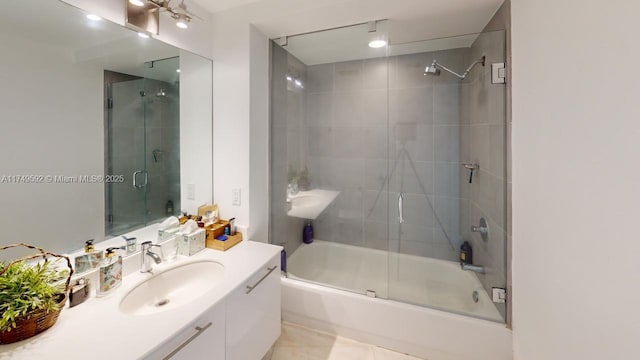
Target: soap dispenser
110	272
91	258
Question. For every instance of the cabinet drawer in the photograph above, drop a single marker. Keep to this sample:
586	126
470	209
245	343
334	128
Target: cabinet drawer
202	339
253	314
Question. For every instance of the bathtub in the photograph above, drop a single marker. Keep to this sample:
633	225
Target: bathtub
440	327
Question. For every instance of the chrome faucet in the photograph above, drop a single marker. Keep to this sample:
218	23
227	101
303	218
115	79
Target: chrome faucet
145	265
475	268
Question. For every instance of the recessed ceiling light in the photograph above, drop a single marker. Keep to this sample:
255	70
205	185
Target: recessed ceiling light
143	35
93	17
376	44
181	24
177	70
137	2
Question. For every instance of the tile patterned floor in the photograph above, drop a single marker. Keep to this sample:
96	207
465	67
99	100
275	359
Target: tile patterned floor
301	343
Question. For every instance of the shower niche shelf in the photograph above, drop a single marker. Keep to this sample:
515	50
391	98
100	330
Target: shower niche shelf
310	204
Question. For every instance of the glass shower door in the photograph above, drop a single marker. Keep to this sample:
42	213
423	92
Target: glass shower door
329	128
447	164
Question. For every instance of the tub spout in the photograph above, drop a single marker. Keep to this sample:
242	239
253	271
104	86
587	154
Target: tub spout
475	268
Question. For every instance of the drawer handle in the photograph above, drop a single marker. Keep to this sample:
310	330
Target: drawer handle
199	331
250	288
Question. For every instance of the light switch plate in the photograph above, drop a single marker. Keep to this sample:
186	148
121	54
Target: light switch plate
191	191
236	197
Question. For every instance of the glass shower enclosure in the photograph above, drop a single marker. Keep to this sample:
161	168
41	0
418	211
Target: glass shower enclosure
142	140
394	165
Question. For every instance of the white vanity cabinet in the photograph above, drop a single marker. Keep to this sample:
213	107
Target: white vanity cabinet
253	314
203	339
242	326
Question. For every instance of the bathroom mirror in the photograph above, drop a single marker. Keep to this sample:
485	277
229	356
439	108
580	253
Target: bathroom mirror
103	131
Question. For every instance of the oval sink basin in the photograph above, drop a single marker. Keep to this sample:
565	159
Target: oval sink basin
172	288
305	200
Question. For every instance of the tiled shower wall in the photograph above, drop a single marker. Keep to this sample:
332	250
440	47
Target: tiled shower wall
485	112
360	114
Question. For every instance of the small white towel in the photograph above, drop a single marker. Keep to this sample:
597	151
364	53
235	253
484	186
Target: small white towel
189	227
169	223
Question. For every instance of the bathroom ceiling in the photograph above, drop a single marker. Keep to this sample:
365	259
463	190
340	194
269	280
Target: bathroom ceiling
410	20
214	6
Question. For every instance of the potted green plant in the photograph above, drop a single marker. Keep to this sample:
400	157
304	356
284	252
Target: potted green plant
31	294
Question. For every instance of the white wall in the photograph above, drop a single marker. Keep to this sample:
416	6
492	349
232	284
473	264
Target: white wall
231	116
196	39
259	136
240	113
576	194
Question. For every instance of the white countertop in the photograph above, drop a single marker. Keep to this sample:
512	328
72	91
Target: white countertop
98	330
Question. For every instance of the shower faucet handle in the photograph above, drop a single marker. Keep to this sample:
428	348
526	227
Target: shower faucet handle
482	228
471	167
479	229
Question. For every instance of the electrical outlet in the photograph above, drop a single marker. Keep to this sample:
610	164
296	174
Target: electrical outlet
235	197
191	191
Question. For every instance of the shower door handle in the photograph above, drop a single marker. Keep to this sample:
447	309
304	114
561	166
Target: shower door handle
400	209
135	177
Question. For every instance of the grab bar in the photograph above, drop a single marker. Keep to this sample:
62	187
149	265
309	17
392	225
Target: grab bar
400	208
250	288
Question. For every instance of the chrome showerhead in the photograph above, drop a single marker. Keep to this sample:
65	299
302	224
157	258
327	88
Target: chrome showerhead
432	69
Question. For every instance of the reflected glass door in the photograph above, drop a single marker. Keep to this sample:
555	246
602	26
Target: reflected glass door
126	201
162	138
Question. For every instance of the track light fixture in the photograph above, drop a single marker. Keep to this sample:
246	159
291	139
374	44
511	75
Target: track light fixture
179	13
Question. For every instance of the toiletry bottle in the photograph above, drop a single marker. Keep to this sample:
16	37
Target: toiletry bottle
283	258
79	292
110	272
466	253
307	233
232	226
169	208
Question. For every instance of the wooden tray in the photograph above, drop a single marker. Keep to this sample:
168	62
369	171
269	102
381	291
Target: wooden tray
224	245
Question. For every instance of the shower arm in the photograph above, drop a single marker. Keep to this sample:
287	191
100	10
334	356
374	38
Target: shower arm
465	73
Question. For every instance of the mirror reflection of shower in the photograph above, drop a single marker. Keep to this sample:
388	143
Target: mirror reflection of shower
142	137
